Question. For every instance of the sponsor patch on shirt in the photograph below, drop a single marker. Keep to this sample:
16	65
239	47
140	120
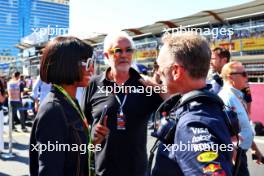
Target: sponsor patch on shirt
207	156
212	167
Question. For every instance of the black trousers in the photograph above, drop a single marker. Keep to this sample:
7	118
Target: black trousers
243	168
14	107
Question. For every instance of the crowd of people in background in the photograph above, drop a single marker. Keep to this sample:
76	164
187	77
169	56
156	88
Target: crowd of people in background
18	95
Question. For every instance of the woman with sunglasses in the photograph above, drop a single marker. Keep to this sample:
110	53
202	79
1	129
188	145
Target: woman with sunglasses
60	136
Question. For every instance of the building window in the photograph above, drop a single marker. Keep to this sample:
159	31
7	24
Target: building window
34	6
11	3
36	21
8	18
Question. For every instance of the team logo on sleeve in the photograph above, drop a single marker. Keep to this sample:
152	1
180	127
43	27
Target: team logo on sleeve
213	169
207	156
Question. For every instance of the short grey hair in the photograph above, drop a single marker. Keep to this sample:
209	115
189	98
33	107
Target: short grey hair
108	41
229	68
190	50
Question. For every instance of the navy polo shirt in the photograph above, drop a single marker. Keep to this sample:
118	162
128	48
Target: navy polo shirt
202	143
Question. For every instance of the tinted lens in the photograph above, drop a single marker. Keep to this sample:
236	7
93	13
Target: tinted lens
244	74
129	50
118	51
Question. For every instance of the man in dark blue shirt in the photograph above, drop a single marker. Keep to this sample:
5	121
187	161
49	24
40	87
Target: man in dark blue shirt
202	143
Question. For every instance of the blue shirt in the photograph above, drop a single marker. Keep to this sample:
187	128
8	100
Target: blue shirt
233	98
40	89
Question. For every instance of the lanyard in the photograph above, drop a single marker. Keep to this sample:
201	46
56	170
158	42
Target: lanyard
70	100
90	155
123	102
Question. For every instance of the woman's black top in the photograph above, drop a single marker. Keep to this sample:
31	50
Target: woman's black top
58	139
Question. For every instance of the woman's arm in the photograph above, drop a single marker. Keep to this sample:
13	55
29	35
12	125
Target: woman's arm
51	131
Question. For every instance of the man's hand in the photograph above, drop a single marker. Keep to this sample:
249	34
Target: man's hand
36	105
257	153
150	82
100	132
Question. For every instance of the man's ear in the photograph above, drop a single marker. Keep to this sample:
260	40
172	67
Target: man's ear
176	71
230	79
224	61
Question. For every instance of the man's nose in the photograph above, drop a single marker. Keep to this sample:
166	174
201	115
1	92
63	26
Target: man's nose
124	53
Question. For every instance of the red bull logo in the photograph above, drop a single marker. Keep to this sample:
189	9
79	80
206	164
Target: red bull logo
211	168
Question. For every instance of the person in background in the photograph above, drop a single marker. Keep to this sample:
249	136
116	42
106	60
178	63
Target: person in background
2	100
22	85
15	102
29	82
39	92
235	78
220	57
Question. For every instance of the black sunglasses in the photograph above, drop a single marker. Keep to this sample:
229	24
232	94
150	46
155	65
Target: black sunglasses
244	74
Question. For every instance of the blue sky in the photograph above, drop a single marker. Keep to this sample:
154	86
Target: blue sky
103	16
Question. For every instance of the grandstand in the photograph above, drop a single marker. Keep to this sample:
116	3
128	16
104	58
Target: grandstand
244	36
